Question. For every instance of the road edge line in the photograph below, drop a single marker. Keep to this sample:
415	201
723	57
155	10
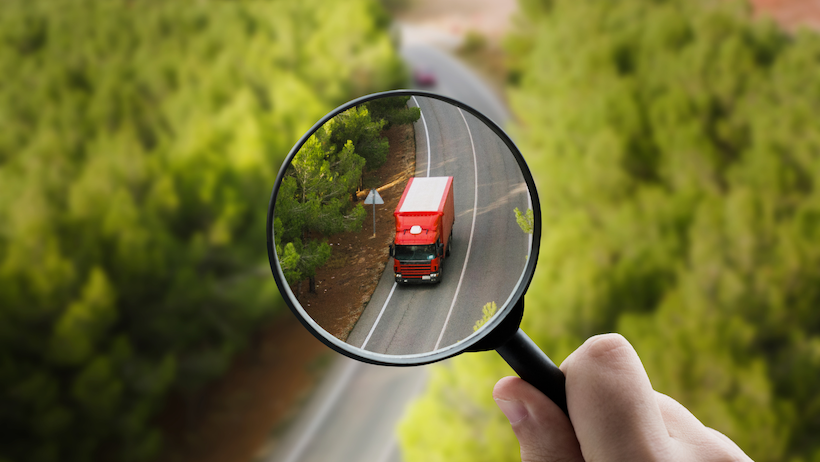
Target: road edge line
426	134
373	329
327	405
472	232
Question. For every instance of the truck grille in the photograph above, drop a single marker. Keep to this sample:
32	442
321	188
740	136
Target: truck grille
414	271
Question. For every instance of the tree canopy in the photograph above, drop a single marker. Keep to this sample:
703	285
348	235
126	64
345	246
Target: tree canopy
316	198
314	202
357	126
140	141
394	111
675	149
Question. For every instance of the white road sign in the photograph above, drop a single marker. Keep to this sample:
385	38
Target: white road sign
373	198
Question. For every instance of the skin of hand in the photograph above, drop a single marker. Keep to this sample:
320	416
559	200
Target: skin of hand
615	413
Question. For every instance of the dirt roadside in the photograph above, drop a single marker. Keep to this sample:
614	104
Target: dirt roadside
791	14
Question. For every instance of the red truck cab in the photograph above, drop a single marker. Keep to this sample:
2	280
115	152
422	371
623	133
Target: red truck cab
424	230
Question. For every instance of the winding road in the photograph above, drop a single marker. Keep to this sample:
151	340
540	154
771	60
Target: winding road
353	414
489	251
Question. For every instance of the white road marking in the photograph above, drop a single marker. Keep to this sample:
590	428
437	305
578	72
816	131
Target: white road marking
426	134
372	329
321	415
388	450
472	231
392	444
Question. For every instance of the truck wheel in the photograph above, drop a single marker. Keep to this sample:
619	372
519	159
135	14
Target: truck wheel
449	244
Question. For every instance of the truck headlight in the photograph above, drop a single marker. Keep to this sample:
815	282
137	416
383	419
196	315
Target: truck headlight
398	275
433	275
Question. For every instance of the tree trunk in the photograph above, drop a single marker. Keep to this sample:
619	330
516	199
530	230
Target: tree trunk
312	280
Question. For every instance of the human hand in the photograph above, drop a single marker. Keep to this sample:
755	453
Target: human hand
616	415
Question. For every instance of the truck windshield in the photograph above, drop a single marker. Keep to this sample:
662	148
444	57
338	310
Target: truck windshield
415	252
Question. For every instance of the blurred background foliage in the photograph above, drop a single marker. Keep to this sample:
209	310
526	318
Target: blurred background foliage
674	143
140	141
676	149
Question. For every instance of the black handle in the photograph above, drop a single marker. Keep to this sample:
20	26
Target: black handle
532	365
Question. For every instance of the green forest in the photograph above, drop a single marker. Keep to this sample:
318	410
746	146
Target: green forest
139	146
676	149
317	197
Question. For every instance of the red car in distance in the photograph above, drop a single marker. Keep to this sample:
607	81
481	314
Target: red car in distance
424	76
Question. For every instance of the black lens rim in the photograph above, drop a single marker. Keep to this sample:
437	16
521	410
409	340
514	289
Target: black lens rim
442	353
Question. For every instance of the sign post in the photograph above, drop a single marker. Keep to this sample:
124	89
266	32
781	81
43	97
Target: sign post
374	198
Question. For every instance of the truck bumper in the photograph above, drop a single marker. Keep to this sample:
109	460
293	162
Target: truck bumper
433	278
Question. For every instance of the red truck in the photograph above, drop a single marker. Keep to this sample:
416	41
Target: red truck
424	230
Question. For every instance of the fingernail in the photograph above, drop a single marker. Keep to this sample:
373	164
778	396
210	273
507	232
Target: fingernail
515	411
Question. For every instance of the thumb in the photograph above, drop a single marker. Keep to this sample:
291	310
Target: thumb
544	432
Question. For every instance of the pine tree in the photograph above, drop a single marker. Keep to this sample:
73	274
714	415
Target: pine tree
393	111
314	202
358	127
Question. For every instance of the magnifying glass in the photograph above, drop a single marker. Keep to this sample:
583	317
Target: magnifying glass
403	229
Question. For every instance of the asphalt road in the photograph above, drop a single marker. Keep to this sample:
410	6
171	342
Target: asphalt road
353	414
457	81
489	252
